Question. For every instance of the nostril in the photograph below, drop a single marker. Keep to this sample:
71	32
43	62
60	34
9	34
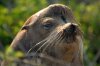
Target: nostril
70	29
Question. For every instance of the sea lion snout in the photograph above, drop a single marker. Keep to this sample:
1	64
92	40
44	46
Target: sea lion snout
70	31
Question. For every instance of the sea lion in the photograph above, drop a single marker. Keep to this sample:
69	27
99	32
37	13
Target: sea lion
53	36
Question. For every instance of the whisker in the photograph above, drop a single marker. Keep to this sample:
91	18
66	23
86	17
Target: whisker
59	39
56	38
51	38
35	46
51	42
41	46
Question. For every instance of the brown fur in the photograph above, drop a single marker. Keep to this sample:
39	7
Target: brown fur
53	46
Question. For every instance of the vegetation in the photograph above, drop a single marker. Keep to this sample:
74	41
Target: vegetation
13	14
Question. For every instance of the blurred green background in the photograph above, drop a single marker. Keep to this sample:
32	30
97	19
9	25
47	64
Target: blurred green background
13	14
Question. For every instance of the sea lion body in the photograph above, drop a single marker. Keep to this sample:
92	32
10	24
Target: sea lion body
53	36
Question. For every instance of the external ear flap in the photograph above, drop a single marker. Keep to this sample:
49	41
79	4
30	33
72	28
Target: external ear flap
19	41
25	27
30	21
26	24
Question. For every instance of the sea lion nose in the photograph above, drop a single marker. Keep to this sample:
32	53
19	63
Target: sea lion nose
70	29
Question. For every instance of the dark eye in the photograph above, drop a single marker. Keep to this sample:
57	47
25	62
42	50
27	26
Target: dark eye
48	26
63	18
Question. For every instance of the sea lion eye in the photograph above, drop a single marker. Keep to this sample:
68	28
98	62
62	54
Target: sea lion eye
48	26
63	18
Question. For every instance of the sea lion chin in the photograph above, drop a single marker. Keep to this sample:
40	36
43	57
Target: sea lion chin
54	35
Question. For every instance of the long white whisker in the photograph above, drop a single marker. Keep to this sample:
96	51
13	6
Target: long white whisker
55	38
41	46
50	39
59	38
35	46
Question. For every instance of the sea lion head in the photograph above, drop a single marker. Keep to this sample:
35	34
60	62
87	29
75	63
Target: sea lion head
54	32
